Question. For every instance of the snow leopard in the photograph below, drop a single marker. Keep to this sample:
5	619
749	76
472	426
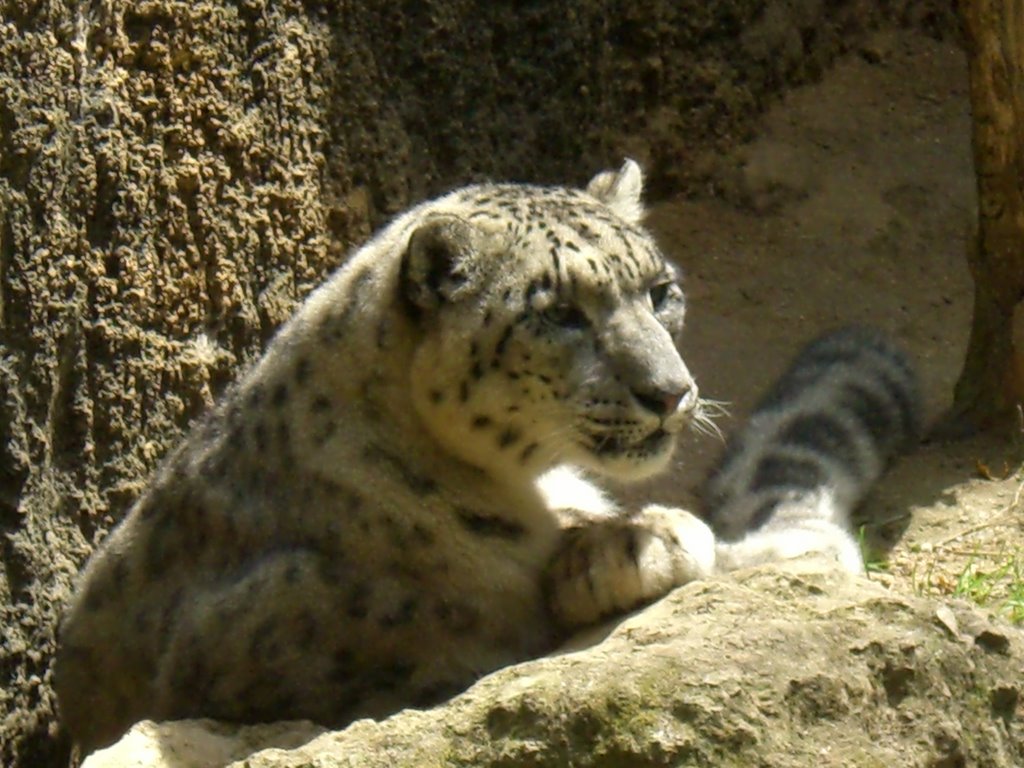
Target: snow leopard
394	500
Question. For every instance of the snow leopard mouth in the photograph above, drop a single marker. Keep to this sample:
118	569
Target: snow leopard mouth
612	445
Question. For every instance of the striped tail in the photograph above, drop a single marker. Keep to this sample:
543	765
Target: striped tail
816	443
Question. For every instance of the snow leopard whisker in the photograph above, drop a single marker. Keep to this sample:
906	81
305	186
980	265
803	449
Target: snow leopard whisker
704	417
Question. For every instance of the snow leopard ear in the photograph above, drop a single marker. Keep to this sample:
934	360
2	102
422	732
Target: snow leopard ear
434	265
620	190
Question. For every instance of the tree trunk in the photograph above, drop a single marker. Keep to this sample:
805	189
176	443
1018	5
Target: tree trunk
991	384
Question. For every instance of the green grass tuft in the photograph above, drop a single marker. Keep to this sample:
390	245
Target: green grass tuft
874	562
1000	586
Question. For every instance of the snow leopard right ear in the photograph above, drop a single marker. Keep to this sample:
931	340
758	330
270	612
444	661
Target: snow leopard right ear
620	190
435	266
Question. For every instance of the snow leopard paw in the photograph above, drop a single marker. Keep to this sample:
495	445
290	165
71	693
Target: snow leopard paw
613	566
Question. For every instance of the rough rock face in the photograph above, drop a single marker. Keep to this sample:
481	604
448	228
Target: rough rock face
786	666
175	175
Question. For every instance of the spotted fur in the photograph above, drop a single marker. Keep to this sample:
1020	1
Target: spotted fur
382	510
790	479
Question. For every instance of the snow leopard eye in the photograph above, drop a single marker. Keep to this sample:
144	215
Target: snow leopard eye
659	294
566	316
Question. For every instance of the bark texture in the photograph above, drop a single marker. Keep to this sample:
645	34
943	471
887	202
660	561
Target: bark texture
176	175
992	382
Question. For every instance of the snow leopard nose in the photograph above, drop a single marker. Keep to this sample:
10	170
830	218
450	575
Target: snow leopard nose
665	403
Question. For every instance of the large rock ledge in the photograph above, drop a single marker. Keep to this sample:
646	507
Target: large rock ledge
784	666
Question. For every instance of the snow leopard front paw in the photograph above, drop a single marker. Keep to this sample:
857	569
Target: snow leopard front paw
613	566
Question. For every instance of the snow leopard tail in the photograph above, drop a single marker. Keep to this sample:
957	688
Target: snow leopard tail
821	436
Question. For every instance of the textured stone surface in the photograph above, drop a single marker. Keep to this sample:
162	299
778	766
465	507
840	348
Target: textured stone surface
197	743
174	176
784	667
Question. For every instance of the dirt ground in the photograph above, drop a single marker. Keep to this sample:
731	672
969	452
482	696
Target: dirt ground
855	203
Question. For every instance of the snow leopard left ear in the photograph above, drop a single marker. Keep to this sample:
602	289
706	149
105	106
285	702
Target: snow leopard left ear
435	265
620	190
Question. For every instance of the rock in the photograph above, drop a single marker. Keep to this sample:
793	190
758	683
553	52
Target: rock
197	743
788	665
